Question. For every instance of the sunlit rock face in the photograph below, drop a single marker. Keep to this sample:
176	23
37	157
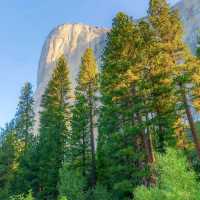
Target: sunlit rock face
73	39
190	15
70	40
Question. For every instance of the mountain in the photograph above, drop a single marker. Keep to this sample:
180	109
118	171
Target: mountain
189	11
72	40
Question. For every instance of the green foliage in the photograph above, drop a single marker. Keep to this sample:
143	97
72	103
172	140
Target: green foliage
120	151
17	136
25	115
54	130
10	151
22	197
167	30
72	184
175	180
82	141
80	137
26	174
24	120
182	66
88	71
62	198
99	193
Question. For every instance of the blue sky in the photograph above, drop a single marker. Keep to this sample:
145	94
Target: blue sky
24	25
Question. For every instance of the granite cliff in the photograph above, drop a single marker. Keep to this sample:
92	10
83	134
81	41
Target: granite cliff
189	11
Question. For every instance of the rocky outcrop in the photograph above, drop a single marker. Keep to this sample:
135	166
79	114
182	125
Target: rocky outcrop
70	40
190	15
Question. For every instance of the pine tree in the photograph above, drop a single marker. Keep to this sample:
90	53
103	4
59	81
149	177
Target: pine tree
169	32
84	116
25	114
10	152
161	75
80	138
26	173
196	77
54	122
24	121
20	132
121	152
144	88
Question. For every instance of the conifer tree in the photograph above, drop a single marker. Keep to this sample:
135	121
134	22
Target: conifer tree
169	32
26	173
24	121
54	129
80	138
196	77
143	87
163	89
20	131
84	116
10	152
25	114
121	151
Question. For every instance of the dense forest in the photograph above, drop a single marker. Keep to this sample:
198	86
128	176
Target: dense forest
127	132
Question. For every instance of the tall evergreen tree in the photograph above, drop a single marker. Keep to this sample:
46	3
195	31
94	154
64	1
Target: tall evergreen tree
196	77
25	114
26	173
10	152
144	92
24	122
161	75
85	114
19	131
121	151
169	32
54	122
80	138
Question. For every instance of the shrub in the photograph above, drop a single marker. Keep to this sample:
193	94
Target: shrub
175	180
71	184
22	197
98	193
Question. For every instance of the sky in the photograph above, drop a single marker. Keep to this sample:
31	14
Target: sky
24	25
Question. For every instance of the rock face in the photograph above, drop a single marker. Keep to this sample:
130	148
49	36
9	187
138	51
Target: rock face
72	40
190	15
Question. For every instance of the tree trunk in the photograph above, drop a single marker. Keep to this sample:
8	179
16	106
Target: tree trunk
146	137
161	139
149	153
92	139
147	143
149	147
191	123
83	152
